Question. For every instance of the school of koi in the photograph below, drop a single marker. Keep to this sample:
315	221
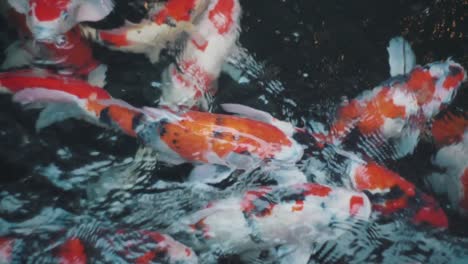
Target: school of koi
51	67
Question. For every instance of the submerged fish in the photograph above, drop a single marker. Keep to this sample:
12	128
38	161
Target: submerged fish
212	27
386	122
68	54
49	19
191	136
450	134
121	246
266	217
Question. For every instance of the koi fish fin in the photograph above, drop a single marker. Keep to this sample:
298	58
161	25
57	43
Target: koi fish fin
22	6
97	77
400	56
16	56
42	95
57	112
209	173
259	115
94	10
58	105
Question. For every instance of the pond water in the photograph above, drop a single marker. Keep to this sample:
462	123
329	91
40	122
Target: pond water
302	58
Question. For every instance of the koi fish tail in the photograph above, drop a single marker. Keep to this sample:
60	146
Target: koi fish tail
62	98
401	57
191	81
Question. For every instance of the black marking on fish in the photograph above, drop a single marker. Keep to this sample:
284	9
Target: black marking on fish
162	127
454	71
136	120
217	134
104	116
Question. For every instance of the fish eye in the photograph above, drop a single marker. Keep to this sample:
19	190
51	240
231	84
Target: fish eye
60	40
64	15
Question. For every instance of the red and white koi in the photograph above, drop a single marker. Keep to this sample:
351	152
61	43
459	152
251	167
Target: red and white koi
192	81
397	111
212	26
390	193
49	19
68	54
266	217
123	246
450	134
191	136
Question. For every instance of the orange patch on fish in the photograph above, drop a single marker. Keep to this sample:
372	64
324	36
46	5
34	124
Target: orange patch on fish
179	10
449	129
118	40
72	251
431	213
380	107
221	15
316	190
76	53
298	206
355	204
422	85
199	133
17	81
47	10
374	177
452	81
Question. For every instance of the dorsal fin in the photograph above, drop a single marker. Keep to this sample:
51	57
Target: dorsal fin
401	57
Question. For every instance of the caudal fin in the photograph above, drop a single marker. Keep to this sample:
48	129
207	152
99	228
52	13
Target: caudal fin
400	56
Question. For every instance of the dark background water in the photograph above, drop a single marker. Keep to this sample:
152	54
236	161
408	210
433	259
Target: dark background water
319	50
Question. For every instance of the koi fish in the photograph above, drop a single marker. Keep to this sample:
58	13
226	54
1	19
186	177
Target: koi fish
191	82
48	19
212	27
197	137
35	86
123	246
266	217
386	122
69	53
450	134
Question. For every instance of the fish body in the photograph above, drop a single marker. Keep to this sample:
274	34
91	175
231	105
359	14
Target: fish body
265	217
389	119
121	246
46	84
190	136
68	53
390	194
450	177
48	19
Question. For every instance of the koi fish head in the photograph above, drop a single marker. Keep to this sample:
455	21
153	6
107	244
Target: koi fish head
435	85
48	19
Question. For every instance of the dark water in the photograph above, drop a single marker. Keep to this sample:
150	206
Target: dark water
313	53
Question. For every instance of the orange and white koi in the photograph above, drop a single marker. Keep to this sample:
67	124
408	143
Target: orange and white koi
121	246
68	53
41	84
198	137
213	28
266	217
388	120
450	134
